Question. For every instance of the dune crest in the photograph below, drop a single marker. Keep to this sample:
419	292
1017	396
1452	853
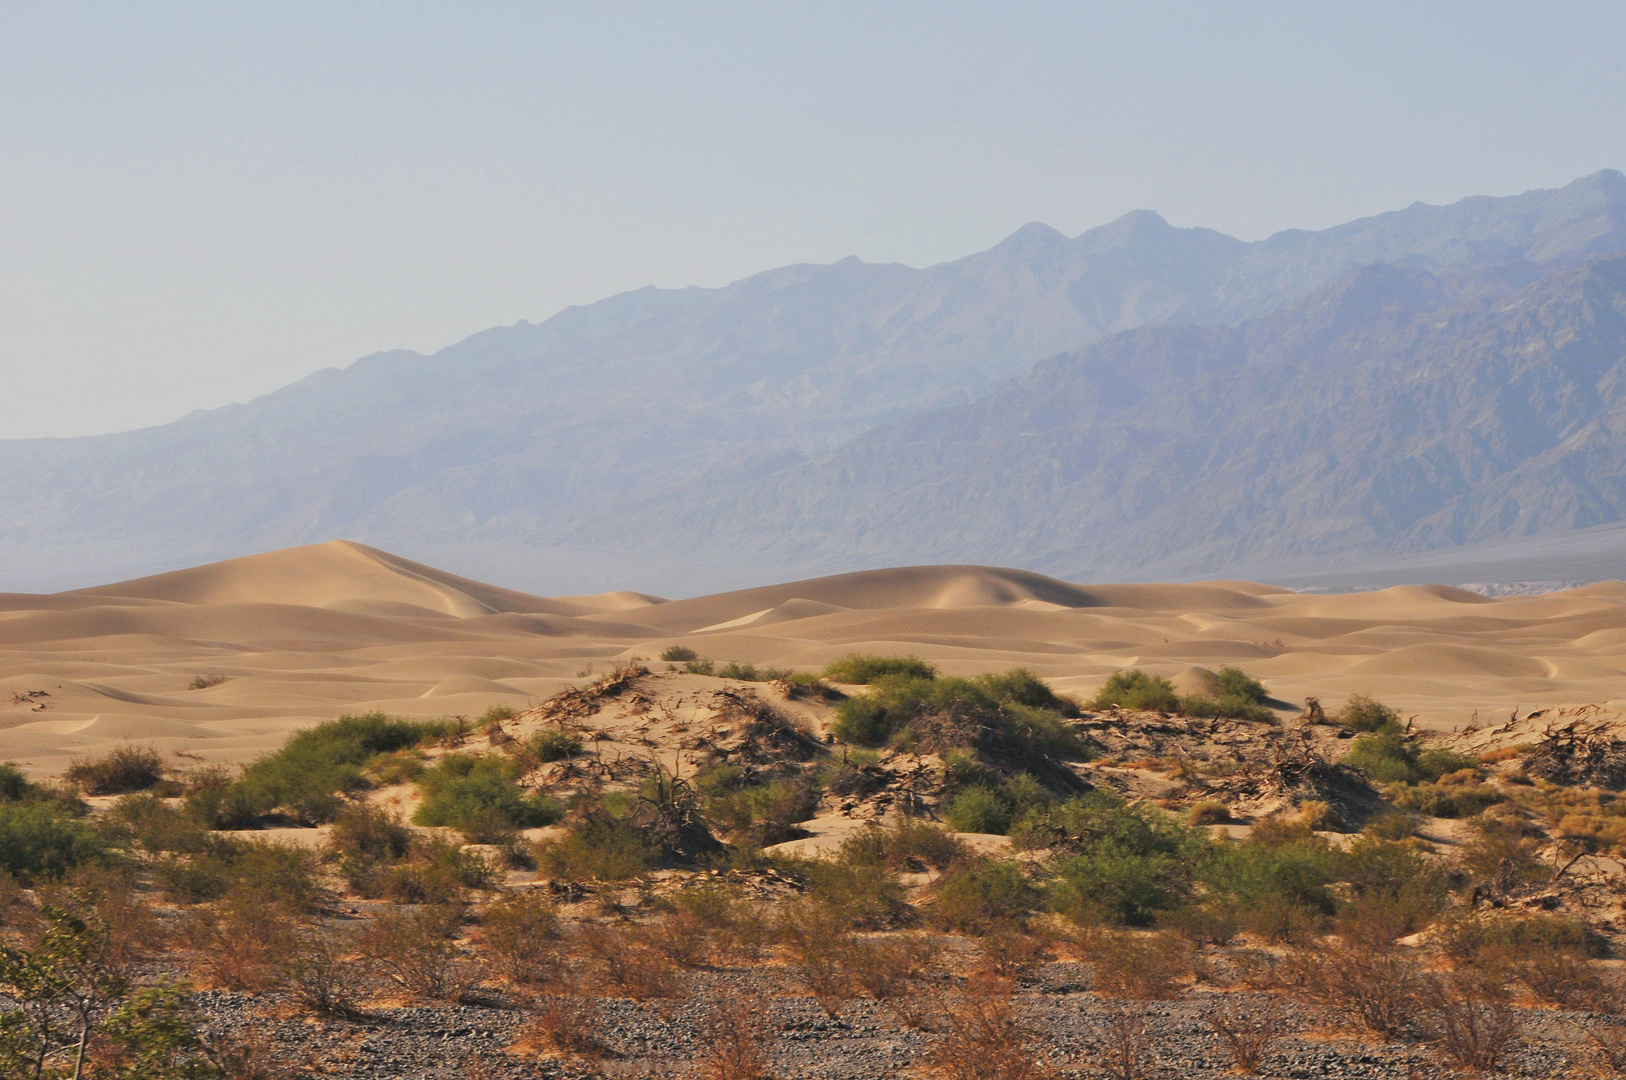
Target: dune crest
336	574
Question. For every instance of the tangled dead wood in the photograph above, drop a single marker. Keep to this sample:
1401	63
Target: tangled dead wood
1579	755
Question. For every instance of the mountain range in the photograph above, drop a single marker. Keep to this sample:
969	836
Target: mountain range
1139	401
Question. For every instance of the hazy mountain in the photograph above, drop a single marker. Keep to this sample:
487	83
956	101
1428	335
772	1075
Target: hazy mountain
1382	414
509	440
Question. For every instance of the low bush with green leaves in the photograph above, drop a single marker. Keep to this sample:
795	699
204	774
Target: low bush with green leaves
679	654
275	872
554	744
858	888
1281	884
1133	688
43	840
122	769
753	811
1116	862
1236	695
1364	713
605	840
44	833
861	668
1012	710
316	768
983	895
479	796
744	672
1390	756
995	808
153	825
1230	682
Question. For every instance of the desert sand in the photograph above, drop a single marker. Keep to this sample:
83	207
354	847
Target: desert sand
305	634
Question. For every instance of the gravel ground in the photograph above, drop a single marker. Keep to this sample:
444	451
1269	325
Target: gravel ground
658	1039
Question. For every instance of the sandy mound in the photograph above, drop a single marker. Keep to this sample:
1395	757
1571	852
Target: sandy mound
333	574
223	660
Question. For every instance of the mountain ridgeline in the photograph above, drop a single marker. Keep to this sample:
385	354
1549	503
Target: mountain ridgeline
1141	401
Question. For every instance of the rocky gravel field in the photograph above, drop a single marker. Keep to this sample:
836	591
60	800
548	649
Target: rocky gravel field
1071	1030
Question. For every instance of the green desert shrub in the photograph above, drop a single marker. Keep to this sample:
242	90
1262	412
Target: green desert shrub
215	800
154	825
994	808
861	668
1281	887
700	666
1390	889
1364	713
14	786
435	870
978	809
316	768
1446	801
120	770
45	840
600	844
757	812
1133	688
751	673
1236	696
370	831
983	895
274	872
477	795
1390	756
853	888
1230	682
498	713
678	654
990	711
909	844
1117	863
554	744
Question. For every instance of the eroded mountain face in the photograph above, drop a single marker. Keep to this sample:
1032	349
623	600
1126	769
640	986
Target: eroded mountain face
1382	414
491	453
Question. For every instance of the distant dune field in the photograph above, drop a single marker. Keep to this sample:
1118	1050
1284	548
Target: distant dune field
305	634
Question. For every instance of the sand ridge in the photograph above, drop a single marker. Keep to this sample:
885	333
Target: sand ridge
304	634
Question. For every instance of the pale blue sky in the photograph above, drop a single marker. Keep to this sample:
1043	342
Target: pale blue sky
200	203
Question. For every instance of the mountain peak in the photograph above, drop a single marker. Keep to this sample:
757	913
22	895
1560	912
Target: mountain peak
1034	238
1610	183
1134	228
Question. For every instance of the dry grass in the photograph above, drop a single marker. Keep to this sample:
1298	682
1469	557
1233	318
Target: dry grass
1139	967
1123	1042
565	1024
983	1039
520	934
820	946
242	946
735	1044
321	973
1247	1029
629	965
1379	992
415	950
1473	1025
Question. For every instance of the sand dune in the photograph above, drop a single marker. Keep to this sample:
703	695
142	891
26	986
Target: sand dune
291	637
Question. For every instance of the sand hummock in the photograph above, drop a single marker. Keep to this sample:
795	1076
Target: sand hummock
304	634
